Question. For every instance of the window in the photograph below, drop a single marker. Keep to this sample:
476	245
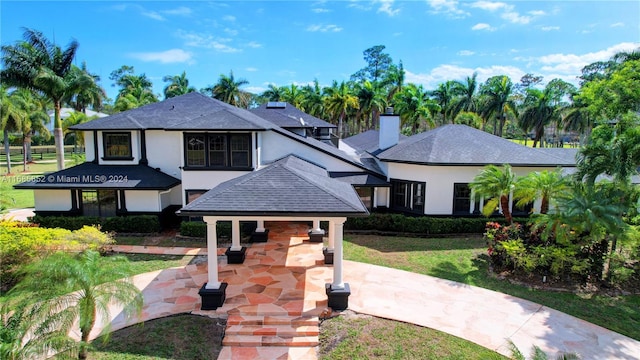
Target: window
100	203
408	196
461	199
366	196
117	146
218	151
525	210
194	194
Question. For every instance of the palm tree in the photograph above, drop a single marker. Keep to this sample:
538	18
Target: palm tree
577	117
538	354
394	80
414	107
495	184
178	85
497	103
80	288
227	89
372	101
293	95
35	121
340	99
467	99
444	96
273	93
135	91
89	93
539	112
313	100
543	185
38	64
13	113
73	119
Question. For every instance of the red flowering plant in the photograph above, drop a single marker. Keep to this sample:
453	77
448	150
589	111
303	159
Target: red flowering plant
495	234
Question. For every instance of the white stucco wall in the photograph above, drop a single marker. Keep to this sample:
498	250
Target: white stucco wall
205	180
88	146
164	151
142	200
52	200
440	179
275	146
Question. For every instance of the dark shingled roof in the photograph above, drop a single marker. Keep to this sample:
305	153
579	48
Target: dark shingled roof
289	117
288	186
366	141
94	176
464	145
359	179
192	111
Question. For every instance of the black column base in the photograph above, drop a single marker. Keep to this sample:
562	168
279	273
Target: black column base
316	236
236	256
258	237
338	298
328	256
212	298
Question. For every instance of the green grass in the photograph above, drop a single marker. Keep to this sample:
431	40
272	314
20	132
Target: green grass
166	241
142	263
464	260
366	337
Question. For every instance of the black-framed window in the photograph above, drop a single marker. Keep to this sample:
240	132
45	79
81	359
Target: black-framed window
101	203
217	151
408	196
521	210
117	145
193	194
366	195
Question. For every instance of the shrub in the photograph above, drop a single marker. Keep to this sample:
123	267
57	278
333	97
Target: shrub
121	224
223	228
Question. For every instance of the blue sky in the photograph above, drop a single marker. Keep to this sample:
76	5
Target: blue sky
284	42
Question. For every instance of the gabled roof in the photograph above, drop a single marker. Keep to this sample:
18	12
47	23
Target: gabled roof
366	141
464	145
93	176
192	111
288	186
288	116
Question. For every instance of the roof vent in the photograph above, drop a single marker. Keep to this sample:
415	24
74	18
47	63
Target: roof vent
388	110
276	105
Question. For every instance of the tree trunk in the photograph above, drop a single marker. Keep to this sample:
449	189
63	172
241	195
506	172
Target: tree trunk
24	153
57	135
7	150
340	123
504	204
544	205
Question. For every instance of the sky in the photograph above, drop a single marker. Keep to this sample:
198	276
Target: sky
297	42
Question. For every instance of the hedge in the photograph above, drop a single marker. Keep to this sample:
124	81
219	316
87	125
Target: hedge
223	228
424	225
119	224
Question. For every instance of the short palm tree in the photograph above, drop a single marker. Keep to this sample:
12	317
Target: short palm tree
177	85
338	101
227	89
80	288
543	185
273	92
495	184
13	112
414	107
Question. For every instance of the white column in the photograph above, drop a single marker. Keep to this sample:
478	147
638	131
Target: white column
332	235
316	225
212	254
338	283
235	235
260	227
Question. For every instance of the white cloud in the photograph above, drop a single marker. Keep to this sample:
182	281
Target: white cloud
482	26
229	18
158	15
164	57
537	13
489	5
251	69
319	10
206	41
448	7
618	24
386	6
231	32
153	15
572	64
359	5
182	11
466	52
255	89
550	28
253	44
516	18
324	28
447	72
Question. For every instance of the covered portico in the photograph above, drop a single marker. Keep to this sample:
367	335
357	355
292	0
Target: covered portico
290	189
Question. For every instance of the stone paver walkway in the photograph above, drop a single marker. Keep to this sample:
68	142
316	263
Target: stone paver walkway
284	280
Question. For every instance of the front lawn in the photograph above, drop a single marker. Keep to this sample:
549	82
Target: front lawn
464	260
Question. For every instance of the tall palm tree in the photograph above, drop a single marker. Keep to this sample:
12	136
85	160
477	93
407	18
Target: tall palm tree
543	185
293	95
495	184
313	100
81	288
497	101
445	95
338	101
539	112
177	85
39	64
273	92
89	93
372	101
394	80
35	121
13	111
577	117
73	119
227	89
414	107
135	91
467	97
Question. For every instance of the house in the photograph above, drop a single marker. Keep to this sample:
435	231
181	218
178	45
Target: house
204	158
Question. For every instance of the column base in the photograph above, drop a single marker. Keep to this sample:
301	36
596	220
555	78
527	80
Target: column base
236	256
262	236
328	256
212	298
316	236
338	298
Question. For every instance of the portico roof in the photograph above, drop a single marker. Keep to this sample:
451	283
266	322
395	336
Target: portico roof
290	186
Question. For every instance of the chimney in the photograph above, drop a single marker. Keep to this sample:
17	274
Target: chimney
389	129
